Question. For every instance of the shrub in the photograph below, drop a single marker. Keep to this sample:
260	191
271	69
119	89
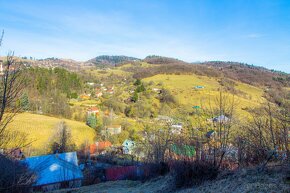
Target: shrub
193	173
14	176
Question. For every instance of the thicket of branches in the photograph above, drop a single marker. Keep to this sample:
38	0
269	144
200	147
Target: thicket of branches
261	139
14	177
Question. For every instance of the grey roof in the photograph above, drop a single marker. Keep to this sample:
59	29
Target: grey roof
210	133
54	168
221	118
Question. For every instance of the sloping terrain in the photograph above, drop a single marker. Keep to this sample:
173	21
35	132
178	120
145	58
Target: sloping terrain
239	182
40	128
183	87
107	61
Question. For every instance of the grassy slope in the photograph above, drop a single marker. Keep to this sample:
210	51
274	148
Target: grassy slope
40	128
243	181
182	86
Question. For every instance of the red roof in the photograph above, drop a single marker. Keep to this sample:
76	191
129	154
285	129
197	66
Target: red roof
99	146
93	109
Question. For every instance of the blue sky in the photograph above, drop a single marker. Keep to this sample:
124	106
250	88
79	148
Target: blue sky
252	31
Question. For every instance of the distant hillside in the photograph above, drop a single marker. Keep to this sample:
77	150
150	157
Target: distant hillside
105	60
68	64
245	73
250	74
153	59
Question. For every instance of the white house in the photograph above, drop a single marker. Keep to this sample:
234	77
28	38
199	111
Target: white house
176	128
114	129
128	146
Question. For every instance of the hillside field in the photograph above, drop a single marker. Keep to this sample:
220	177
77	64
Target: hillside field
40	128
183	88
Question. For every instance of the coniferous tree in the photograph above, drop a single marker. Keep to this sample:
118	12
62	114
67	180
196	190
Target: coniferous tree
92	121
24	102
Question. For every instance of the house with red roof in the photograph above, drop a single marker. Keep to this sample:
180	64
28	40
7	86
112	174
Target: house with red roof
93	111
99	147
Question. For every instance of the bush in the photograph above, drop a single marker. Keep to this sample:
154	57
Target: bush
187	174
14	176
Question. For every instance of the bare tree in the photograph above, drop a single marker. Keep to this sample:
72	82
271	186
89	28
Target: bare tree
222	113
266	135
14	177
157	140
11	87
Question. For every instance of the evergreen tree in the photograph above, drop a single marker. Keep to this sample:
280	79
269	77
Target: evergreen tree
61	140
24	102
92	121
140	88
135	97
137	82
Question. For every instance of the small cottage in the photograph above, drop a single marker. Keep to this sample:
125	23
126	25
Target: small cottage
210	134
220	119
55	171
110	91
199	87
114	129
176	128
93	111
164	118
128	146
157	90
90	83
85	96
99	147
98	94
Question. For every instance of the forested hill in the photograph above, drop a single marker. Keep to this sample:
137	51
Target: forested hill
245	73
105	60
250	74
154	59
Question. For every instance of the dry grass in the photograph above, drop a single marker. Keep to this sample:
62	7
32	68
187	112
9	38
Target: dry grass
240	182
182	86
40	128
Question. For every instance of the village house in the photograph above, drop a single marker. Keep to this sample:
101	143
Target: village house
90	83
98	94
210	134
176	128
157	90
55	171
85	96
182	152
199	87
220	119
128	146
110	91
99	147
111	87
165	119
114	129
93	111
